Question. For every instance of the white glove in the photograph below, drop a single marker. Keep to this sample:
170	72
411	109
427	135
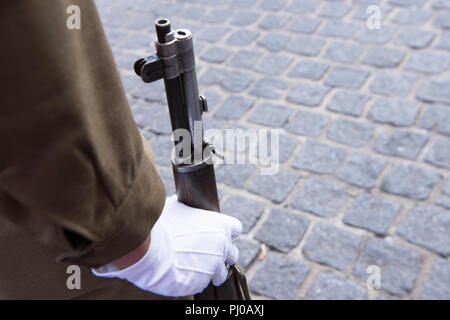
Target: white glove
188	248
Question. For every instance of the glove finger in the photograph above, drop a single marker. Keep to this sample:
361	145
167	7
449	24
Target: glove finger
221	275
233	255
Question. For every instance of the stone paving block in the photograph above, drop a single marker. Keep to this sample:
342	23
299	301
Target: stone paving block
215	54
242	4
149	91
309	69
307	123
414	38
275	187
435	90
395	112
303	6
307	46
192	12
399	265
273	64
438	286
244	18
248	252
407	3
234	107
443	202
372	213
441	4
293	226
442	20
427	62
320	197
270	282
352	133
344	52
274	41
410	181
348	102
401	143
335	9
268	88
361	170
307	94
245	59
304	25
274	21
211	34
286	145
330	286
346	77
338	29
362	14
162	148
234	175
242	37
332	246
439	153
412	16
216	16
269	114
427	227
236	81
392	83
144	113
375	36
444	41
246	210
272	5
446	187
319	157
384	57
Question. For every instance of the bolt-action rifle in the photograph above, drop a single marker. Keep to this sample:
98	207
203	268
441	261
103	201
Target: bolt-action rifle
193	171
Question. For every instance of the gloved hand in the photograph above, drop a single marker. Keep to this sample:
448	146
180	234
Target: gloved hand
188	248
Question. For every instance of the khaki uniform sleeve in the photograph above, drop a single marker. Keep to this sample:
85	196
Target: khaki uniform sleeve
73	171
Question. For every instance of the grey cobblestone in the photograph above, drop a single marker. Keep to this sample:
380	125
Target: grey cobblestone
273	64
293	226
344	52
320	197
435	90
248	251
410	181
438	287
307	46
444	41
304	25
309	70
244	18
446	187
319	157
307	94
442	20
338	29
384	57
335	9
381	36
428	62
270	114
416	39
332	246
246	210
242	37
439	154
273	21
428	228
268	88
330	286
346	77
276	187
274	41
303	6
348	102
395	112
401	143
307	123
215	54
372	213
270	282
399	265
361	170
234	175
286	146
352	133
443	201
272	5
392	83
212	34
234	107
245	59
412	16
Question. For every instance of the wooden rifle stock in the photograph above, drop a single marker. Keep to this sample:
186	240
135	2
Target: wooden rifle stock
195	181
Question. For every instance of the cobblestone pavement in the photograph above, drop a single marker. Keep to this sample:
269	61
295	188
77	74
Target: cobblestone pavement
364	145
